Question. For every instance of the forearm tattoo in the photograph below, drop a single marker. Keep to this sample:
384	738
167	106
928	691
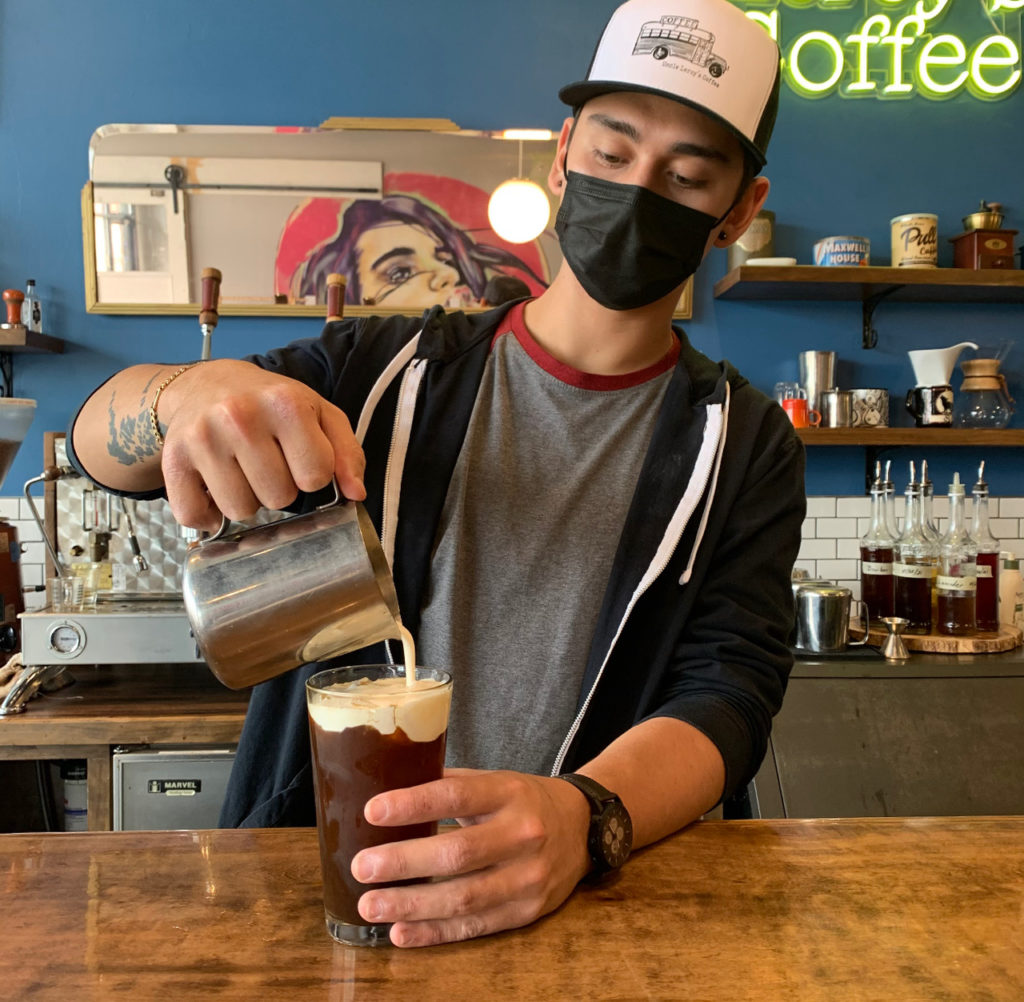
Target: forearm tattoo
131	435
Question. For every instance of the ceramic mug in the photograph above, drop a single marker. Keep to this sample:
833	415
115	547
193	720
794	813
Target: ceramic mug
799	413
870	408
931	405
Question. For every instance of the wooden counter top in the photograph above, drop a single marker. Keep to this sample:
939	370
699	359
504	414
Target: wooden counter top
836	910
123	705
130	704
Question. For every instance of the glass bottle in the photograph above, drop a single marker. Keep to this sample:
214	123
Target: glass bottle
957	580
890	502
31	315
914	565
931	527
876	555
987	599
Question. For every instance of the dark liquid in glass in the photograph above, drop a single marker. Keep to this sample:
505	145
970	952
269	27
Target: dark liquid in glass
987	600
350	767
956	613
913	601
876	589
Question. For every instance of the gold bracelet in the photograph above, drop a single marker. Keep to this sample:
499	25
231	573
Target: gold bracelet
156	399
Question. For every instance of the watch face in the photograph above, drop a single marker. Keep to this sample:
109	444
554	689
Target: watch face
616	836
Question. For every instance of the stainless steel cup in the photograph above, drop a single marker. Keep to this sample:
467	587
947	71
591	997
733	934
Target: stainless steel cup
836	408
817	373
823	619
267	599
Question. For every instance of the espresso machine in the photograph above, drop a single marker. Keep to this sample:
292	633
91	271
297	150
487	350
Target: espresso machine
128	556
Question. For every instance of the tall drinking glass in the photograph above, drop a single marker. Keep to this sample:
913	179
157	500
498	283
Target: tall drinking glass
370	732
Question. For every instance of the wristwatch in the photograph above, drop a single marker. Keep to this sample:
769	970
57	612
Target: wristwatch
610	836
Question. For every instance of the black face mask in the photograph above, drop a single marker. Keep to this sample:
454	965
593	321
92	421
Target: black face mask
628	246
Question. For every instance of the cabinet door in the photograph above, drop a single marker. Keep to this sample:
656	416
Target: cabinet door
880	747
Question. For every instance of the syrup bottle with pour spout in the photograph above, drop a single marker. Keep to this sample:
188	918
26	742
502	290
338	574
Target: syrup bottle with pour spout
914	567
957	581
987	601
876	555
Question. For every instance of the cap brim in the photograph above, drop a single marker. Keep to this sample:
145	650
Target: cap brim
577	94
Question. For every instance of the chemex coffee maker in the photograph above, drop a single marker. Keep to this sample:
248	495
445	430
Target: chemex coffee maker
931	400
984	400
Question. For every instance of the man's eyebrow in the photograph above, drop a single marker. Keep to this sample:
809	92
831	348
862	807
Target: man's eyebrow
682	148
616	125
394	252
699	150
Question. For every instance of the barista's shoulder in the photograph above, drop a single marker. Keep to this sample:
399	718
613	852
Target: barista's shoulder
442	334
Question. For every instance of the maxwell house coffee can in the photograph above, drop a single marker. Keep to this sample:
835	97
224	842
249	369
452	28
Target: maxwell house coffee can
915	240
842	252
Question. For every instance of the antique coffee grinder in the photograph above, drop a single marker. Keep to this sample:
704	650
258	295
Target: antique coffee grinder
984	243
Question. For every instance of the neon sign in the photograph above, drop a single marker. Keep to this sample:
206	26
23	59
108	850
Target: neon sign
896	53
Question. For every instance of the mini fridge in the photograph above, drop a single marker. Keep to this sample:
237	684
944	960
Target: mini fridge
167	789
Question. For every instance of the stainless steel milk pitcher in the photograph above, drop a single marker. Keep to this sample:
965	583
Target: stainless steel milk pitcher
266	599
823	619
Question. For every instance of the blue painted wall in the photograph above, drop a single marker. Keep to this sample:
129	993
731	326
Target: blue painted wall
837	166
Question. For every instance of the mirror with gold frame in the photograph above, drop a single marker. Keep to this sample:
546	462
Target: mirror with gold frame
398	206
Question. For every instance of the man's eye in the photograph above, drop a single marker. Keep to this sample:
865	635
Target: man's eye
607	158
687	182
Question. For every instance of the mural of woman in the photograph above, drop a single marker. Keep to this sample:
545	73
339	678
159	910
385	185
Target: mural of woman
400	252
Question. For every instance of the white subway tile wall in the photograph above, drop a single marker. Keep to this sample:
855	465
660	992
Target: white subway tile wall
830	546
829	549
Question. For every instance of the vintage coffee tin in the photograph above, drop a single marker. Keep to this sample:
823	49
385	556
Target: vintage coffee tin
915	240
842	252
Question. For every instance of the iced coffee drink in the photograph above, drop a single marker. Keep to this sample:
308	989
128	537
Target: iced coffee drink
370	731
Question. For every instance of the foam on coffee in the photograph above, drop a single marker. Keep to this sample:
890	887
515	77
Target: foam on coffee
384	705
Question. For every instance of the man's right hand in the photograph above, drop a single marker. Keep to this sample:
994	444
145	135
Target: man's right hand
236	438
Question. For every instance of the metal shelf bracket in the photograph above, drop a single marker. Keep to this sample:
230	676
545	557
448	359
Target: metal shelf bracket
869	338
7	373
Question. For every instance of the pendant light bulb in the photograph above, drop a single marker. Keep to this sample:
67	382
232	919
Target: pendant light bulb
519	210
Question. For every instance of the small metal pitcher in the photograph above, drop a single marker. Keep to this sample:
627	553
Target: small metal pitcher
267	599
823	619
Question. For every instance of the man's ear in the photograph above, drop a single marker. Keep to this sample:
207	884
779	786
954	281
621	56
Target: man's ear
742	215
556	174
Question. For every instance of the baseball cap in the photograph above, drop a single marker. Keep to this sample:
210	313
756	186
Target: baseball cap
703	53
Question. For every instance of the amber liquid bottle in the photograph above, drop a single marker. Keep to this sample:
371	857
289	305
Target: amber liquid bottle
914	566
957	581
876	556
987	599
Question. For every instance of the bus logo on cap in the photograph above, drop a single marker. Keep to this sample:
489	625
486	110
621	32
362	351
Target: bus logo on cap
682	38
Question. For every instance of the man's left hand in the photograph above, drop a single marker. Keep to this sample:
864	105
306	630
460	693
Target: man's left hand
518	853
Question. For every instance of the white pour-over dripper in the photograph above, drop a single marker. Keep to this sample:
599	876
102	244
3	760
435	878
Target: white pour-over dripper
934	366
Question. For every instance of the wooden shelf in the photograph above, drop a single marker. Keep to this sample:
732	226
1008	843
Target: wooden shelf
986	437
20	338
861	284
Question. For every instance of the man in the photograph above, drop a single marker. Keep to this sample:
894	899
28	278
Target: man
595	525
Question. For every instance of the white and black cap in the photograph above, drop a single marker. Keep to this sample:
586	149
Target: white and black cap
703	53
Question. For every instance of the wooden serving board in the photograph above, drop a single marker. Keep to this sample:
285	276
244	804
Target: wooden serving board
1006	639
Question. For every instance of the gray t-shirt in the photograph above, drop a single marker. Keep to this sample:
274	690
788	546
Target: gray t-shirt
525	545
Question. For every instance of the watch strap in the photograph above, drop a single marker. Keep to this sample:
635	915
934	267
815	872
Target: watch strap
610	833
596	794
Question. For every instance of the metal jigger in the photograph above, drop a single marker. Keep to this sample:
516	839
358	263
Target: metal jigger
894	649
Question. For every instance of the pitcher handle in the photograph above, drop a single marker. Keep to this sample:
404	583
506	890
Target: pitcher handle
867	626
225	522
